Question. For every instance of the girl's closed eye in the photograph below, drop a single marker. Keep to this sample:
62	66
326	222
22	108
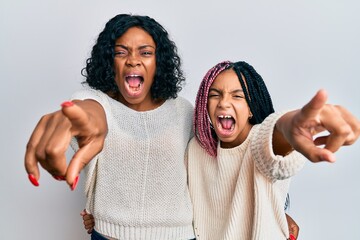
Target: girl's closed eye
213	94
238	96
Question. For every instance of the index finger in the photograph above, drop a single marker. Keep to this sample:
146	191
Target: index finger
77	116
328	118
314	106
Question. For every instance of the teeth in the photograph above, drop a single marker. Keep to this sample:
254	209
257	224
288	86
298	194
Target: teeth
226	116
133	76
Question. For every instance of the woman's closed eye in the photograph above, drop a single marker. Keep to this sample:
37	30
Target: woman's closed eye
146	53
120	53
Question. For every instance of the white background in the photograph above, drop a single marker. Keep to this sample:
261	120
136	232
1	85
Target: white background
297	47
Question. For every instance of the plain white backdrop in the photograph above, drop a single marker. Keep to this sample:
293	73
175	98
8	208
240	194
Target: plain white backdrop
297	46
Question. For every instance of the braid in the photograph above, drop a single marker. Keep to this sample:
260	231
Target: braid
255	90
204	133
256	95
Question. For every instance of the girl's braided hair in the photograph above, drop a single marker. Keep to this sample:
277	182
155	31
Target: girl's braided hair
256	95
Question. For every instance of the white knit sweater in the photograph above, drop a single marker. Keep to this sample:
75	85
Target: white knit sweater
240	195
137	186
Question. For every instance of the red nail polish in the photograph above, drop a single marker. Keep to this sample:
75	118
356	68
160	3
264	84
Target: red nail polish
73	186
59	178
292	237
33	180
67	104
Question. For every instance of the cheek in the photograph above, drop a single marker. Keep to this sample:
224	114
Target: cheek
210	108
151	65
212	120
242	114
242	120
211	112
118	65
152	74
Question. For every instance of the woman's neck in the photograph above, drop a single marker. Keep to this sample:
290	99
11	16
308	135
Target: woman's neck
145	105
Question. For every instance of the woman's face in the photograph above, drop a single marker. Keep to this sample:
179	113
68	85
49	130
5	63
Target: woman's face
228	109
135	67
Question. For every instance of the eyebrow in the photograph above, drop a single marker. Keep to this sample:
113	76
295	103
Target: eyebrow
233	91
139	48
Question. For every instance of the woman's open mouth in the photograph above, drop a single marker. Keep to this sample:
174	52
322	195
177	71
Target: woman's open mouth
134	84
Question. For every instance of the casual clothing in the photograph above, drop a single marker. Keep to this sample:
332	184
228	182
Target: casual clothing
137	185
97	236
240	194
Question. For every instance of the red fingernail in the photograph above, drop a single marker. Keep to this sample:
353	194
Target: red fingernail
59	178
292	237
67	104
33	180
73	186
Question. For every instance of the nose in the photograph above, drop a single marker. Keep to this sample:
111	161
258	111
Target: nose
133	60
224	102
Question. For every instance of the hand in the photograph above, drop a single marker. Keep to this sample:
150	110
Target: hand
88	220
298	127
293	227
48	143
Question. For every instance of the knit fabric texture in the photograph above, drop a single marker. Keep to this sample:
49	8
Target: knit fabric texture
240	194
137	185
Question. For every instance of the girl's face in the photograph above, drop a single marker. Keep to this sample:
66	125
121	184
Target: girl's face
228	109
135	67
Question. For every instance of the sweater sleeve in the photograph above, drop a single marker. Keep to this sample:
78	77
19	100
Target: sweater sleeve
96	95
275	167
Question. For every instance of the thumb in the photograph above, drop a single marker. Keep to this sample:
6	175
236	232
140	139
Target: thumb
83	212
314	153
80	159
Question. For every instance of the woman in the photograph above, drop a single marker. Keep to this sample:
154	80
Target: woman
133	125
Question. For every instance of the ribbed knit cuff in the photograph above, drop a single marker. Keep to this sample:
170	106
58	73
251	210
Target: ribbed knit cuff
144	233
275	167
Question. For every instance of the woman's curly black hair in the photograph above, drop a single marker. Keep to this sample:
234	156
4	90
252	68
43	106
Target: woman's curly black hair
99	70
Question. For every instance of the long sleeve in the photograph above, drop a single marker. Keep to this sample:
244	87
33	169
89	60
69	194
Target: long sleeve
275	167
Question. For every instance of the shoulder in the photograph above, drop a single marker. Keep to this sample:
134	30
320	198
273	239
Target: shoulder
195	148
181	101
181	106
88	93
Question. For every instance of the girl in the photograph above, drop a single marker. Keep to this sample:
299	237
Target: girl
242	156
